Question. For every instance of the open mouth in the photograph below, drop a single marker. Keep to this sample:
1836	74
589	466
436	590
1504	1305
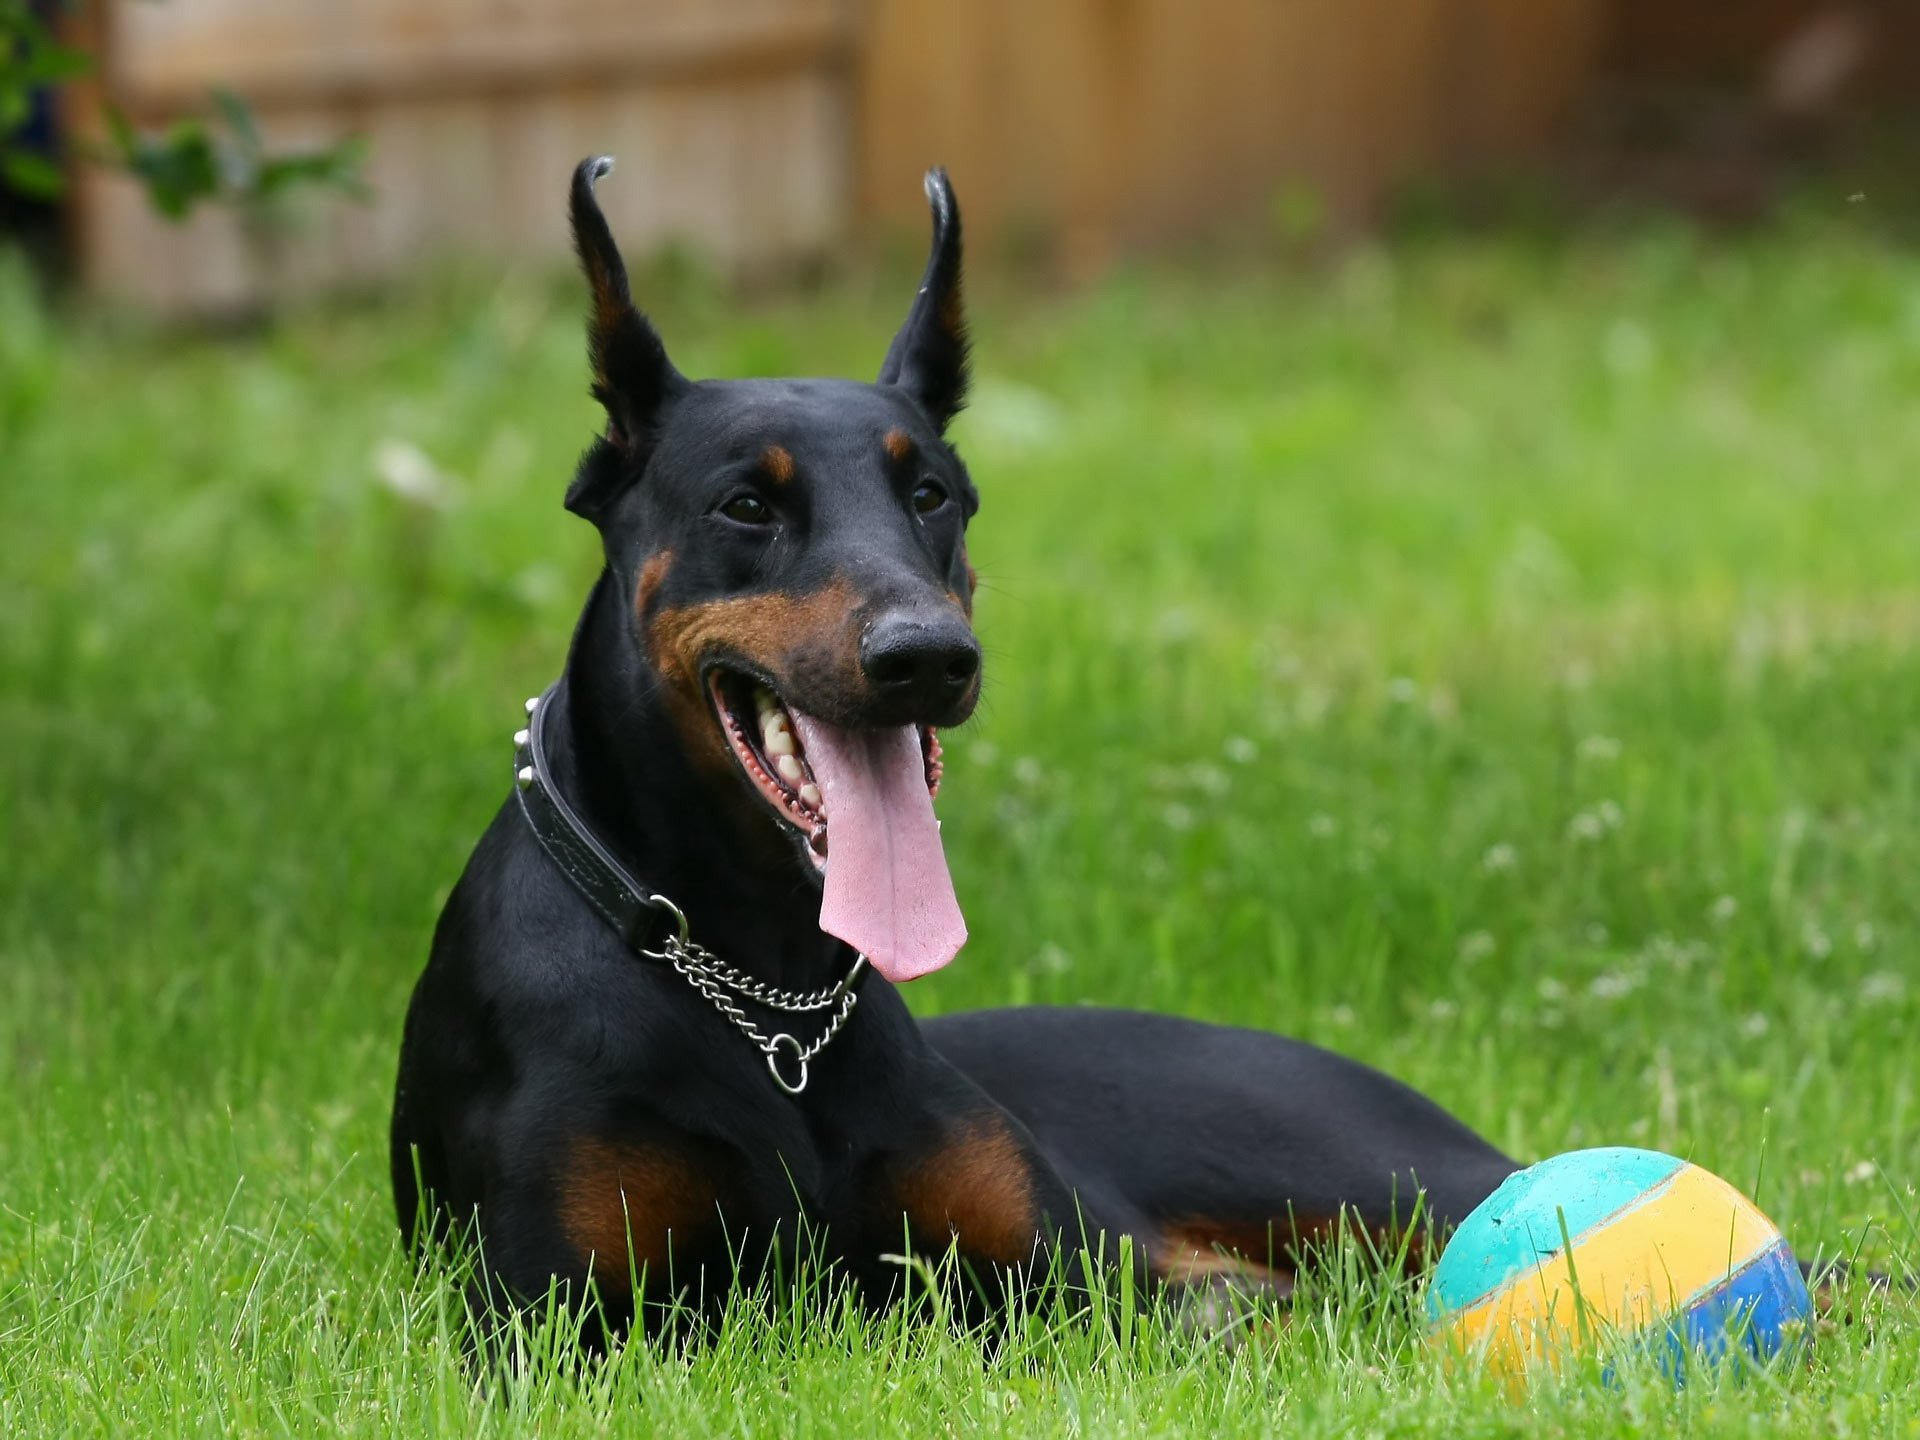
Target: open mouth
861	801
772	750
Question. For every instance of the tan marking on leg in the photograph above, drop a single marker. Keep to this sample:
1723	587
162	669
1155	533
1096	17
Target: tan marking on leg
1198	1251
977	1188
622	1207
1199	1247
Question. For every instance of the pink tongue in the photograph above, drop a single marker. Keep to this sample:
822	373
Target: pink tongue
888	893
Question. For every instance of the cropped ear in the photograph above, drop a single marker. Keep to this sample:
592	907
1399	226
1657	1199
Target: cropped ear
632	376
928	358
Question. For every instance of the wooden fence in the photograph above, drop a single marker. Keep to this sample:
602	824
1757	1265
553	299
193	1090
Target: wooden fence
762	129
729	119
1133	120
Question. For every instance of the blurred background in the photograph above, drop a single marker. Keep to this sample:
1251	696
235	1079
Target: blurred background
1447	550
769	133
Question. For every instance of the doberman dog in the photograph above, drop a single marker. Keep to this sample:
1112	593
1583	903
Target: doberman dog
659	1038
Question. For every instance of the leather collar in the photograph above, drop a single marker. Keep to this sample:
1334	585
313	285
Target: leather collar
625	904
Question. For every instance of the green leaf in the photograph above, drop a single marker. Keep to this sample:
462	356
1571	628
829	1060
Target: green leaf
179	170
121	129
32	174
336	168
239	118
49	65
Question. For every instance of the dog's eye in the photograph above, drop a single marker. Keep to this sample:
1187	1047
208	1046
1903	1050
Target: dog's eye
928	498
747	510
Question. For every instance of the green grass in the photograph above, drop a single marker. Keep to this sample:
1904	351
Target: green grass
1497	660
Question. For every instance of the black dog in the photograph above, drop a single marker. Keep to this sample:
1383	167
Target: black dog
647	1048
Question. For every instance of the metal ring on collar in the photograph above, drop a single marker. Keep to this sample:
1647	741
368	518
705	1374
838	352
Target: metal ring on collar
661	902
773	1062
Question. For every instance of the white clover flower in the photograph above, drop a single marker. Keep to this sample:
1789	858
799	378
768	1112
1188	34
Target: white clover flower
1881	987
407	471
1477	946
1209	779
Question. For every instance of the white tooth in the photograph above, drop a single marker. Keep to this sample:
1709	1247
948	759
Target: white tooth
779	743
810	795
773	720
763	699
789	769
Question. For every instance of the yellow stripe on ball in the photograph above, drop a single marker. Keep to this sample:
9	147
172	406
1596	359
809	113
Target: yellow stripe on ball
1639	1265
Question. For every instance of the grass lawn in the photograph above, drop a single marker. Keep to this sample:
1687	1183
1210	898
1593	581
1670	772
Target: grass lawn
1499	660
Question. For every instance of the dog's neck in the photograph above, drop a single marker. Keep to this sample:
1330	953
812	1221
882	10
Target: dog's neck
620	759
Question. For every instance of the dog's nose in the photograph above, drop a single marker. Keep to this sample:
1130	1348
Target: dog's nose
920	663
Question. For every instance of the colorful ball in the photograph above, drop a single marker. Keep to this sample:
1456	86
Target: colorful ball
1601	1248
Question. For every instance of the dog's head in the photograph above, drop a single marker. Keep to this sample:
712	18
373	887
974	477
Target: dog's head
793	556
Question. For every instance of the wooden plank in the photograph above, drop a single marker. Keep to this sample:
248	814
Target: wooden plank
313	52
1152	117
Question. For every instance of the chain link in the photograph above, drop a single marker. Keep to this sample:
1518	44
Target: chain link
714	979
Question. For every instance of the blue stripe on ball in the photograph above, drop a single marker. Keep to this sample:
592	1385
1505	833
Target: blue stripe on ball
1760	1307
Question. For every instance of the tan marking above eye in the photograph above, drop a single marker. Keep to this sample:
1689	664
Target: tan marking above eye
776	462
898	444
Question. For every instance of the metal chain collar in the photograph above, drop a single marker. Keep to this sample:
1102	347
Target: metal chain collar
714	978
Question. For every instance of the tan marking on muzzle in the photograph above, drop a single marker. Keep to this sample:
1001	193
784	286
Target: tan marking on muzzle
775	633
769	631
